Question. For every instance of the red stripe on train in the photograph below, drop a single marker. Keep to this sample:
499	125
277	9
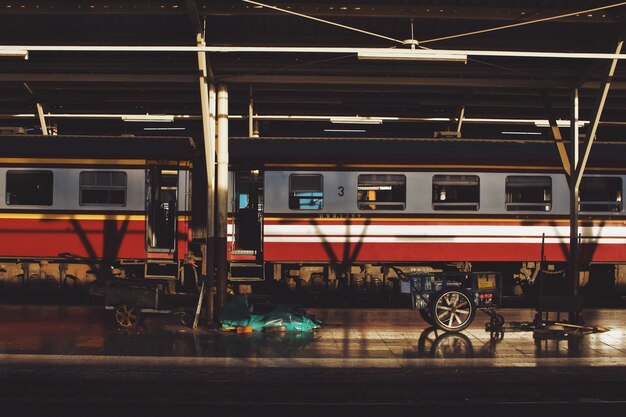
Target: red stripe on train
46	238
435	252
434	222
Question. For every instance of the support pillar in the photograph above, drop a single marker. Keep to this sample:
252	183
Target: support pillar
460	122
222	197
574	197
593	127
578	170
42	120
251	114
207	101
253	124
556	135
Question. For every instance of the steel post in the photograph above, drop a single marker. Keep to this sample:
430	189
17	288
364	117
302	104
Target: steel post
573	239
222	196
207	101
42	120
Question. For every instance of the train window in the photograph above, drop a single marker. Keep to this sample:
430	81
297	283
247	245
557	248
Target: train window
102	188
601	194
456	192
381	192
29	188
306	192
530	193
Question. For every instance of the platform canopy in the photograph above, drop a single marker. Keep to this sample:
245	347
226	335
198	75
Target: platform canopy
367	68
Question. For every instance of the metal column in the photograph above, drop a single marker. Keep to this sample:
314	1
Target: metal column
207	101
556	135
578	169
573	237
593	127
250	114
222	196
253	124
42	119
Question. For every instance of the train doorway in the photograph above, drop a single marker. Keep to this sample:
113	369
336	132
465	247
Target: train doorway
162	197
248	215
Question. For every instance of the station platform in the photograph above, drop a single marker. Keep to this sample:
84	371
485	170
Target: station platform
368	361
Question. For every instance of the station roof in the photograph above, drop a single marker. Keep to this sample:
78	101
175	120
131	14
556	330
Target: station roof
172	148
296	94
483	154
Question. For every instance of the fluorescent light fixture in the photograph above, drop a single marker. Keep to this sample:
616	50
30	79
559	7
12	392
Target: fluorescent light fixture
412	55
357	120
521	133
22	53
559	123
163	128
345	130
148	118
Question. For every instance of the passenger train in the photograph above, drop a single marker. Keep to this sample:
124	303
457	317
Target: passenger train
308	216
80	208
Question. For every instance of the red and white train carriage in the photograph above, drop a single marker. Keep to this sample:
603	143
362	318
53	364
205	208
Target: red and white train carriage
316	214
78	207
328	213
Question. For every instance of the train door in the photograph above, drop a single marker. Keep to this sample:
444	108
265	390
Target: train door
161	207
248	214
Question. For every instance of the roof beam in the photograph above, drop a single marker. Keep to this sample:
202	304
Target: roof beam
592	128
194	18
373	81
99	78
417	54
338	9
556	134
401	81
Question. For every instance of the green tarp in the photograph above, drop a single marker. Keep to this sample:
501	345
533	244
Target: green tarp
237	312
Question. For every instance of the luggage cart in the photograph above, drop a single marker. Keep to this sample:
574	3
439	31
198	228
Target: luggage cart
132	299
449	301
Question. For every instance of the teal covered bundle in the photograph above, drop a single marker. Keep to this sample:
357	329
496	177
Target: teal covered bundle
237	312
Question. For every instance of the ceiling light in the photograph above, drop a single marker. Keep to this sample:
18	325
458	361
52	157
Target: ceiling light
412	55
559	123
357	120
22	53
345	130
148	118
521	133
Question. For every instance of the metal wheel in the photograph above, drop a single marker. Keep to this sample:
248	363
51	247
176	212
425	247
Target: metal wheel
127	316
426	341
428	318
452	345
453	310
186	318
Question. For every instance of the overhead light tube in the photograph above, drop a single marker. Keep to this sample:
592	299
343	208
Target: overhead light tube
357	120
412	55
148	118
21	53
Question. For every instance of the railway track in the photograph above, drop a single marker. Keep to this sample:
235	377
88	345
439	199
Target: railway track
121	397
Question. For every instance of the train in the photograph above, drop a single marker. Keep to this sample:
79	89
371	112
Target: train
308	217
79	210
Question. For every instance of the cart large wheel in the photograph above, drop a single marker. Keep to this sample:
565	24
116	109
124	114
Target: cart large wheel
127	316
452	345
452	310
186	318
428	318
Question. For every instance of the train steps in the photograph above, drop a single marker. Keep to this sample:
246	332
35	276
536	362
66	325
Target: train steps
246	272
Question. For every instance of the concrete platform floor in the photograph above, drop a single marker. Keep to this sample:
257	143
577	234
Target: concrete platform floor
385	337
375	359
